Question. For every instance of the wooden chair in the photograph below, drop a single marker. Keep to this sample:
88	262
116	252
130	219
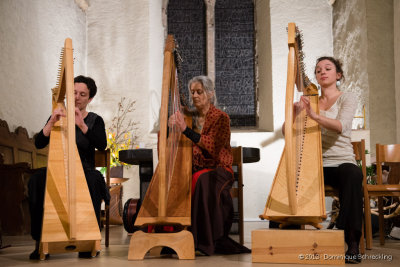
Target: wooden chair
359	152
237	192
384	154
102	159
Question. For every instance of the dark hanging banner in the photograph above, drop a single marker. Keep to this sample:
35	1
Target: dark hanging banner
186	21
234	60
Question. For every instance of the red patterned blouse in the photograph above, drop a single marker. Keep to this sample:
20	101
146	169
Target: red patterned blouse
215	150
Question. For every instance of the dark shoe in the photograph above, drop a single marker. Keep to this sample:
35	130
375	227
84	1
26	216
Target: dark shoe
167	251
87	254
35	255
352	258
200	253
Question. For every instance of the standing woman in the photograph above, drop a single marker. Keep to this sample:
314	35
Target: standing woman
212	207
336	112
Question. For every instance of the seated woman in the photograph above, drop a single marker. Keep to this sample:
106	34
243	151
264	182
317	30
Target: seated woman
212	207
336	112
90	135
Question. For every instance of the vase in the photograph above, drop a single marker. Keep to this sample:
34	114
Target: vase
117	172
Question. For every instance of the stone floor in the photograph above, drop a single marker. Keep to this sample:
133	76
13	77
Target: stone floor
117	255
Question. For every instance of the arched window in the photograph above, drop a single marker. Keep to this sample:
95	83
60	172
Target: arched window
234	60
186	21
216	38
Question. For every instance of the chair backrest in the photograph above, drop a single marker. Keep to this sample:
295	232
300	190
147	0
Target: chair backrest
237	155
102	159
359	153
237	162
388	154
237	191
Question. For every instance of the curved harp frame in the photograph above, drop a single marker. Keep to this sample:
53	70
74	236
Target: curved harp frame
69	221
168	199
297	194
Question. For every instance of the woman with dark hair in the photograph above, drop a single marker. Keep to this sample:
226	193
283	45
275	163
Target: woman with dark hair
336	112
212	207
90	135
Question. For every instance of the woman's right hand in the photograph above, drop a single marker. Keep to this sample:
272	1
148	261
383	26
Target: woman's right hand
55	116
297	108
178	120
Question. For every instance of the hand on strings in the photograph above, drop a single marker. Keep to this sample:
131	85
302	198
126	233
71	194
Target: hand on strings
55	116
178	120
305	101
79	121
297	108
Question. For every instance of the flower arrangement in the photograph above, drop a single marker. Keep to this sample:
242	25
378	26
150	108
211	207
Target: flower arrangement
120	135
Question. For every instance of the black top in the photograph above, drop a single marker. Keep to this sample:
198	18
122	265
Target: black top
86	143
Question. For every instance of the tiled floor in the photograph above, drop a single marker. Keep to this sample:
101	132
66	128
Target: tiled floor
117	255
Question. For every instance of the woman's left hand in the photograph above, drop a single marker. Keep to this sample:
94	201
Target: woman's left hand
306	104
178	120
79	121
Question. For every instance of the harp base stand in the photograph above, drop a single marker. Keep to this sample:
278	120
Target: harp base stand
298	246
69	246
181	242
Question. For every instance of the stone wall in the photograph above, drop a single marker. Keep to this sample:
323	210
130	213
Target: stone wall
363	39
350	46
32	35
396	37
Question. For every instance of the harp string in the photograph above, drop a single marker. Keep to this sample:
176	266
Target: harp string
302	81
59	99
64	136
174	132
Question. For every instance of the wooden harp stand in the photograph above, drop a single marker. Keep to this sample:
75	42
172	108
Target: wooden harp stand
168	197
69	221
297	195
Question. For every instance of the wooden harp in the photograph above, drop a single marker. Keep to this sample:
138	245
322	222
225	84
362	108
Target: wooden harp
168	197
297	195
69	221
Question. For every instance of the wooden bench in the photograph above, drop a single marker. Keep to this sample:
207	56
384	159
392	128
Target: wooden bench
18	158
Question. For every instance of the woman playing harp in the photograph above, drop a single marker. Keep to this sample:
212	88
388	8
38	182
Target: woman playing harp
336	112
212	207
90	135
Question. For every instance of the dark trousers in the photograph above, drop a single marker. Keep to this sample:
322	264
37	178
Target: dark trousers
347	179
36	190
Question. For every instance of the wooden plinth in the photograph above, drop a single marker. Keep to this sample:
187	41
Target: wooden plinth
69	246
181	242
298	246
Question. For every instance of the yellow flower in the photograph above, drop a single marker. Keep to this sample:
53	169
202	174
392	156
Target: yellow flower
120	134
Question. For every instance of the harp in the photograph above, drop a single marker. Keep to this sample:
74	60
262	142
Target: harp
69	221
168	197
297	195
